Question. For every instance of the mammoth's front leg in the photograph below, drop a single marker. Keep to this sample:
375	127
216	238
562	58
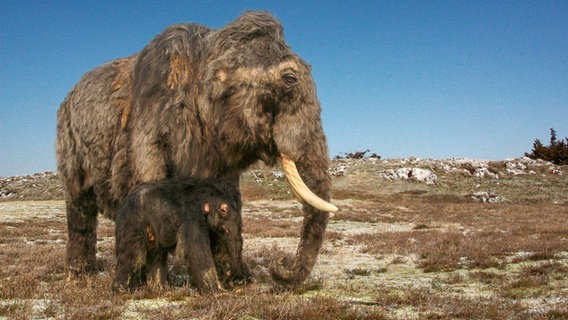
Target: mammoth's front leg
194	246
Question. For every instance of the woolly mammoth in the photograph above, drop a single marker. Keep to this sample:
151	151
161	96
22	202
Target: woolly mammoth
194	102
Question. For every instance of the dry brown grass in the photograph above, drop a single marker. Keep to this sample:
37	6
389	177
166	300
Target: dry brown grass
475	236
395	250
268	227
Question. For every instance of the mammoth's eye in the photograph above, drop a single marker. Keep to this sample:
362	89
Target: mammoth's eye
289	79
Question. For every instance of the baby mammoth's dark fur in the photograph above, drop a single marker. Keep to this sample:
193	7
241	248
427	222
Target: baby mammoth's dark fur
200	219
194	102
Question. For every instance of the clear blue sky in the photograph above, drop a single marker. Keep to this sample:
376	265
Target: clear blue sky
437	79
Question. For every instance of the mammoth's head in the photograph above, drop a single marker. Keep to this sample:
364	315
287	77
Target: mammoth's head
265	99
223	216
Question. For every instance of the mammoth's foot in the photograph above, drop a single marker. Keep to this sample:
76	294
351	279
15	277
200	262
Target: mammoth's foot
127	278
157	278
242	276
77	269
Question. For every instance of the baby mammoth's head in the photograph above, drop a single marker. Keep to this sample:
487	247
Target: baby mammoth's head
222	217
225	225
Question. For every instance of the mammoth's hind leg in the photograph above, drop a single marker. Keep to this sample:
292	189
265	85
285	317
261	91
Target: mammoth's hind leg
81	230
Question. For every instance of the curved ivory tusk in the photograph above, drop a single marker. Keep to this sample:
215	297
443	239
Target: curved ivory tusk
300	189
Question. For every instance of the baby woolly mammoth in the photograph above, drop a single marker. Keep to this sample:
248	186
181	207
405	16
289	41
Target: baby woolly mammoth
199	219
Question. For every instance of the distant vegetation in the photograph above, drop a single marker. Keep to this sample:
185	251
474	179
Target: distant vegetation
357	155
556	152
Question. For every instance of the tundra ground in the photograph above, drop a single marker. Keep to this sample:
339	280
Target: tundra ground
483	240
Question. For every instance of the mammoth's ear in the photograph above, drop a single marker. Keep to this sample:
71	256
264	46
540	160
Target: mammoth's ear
222	75
180	73
224	209
216	70
215	77
206	208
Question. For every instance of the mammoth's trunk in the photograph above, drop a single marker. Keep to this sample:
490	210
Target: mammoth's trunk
316	216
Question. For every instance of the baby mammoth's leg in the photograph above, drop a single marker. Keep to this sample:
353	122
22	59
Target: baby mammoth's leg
194	244
131	254
157	269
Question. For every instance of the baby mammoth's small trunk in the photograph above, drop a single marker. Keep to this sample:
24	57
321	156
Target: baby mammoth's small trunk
239	270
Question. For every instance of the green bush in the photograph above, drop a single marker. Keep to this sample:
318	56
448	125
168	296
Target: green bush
357	155
556	152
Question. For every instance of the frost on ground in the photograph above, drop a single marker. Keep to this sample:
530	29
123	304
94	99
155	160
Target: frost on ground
482	240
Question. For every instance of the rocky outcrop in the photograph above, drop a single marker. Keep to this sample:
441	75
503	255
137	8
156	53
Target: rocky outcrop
46	185
415	174
39	186
487	197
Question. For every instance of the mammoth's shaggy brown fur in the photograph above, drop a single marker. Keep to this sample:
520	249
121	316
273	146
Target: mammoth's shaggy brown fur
194	102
